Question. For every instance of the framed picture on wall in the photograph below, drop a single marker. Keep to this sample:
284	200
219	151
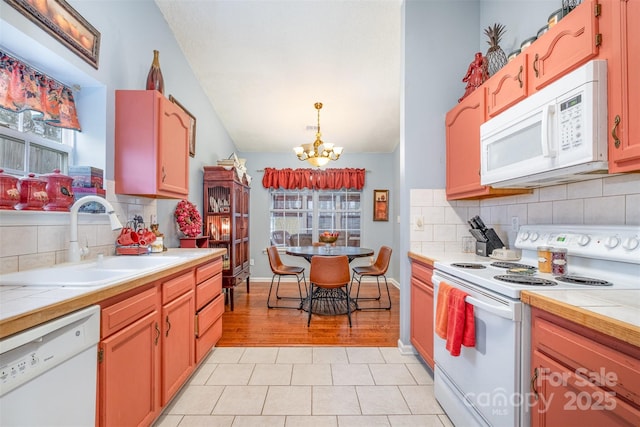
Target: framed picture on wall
381	205
192	127
64	23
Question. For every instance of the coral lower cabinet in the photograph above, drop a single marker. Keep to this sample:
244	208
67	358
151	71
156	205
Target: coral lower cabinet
149	346
422	312
151	145
226	222
581	377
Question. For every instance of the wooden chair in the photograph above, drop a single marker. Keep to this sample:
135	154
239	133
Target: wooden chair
377	270
279	269
327	276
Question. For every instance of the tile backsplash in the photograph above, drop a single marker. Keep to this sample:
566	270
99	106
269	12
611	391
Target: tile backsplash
32	239
438	225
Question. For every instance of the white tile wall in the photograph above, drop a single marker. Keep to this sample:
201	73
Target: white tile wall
613	200
40	239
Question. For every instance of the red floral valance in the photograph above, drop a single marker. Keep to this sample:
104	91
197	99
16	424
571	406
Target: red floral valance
314	179
24	88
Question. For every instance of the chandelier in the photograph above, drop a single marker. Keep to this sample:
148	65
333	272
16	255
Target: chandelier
319	153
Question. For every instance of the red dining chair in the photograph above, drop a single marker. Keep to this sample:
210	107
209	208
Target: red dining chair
327	276
279	269
377	270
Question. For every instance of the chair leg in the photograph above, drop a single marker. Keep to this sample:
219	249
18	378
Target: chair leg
300	298
348	303
310	303
378	298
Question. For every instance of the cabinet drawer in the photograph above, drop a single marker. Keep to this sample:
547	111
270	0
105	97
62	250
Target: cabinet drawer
422	272
177	286
123	313
208	290
208	270
206	317
577	349
206	341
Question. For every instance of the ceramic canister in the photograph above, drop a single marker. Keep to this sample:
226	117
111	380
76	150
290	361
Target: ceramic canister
9	193
33	193
59	191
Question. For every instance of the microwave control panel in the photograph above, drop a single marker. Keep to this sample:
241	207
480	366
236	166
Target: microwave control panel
571	123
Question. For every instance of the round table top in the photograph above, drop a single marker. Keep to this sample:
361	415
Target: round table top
309	251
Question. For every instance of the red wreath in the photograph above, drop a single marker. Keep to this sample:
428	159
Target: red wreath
188	218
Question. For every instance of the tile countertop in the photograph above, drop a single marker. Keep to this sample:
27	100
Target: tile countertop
22	307
612	312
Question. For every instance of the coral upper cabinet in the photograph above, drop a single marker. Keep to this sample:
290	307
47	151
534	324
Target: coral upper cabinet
151	145
621	26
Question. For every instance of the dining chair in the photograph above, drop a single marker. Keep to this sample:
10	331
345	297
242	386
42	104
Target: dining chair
378	269
327	276
279	269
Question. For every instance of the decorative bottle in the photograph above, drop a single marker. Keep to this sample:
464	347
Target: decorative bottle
154	79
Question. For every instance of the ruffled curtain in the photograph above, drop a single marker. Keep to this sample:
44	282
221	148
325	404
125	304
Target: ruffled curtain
314	179
24	88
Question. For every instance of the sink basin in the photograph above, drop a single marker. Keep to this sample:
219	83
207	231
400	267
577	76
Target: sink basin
95	273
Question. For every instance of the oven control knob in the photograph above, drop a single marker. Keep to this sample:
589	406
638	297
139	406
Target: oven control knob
583	240
612	242
524	235
534	236
630	243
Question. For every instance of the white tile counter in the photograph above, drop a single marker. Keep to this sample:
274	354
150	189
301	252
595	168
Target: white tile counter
24	306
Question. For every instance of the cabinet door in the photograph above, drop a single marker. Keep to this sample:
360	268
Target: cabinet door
173	149
624	85
178	342
570	43
507	86
560	397
422	328
151	145
129	373
463	146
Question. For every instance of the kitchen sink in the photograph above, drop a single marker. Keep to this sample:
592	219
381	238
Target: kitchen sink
87	274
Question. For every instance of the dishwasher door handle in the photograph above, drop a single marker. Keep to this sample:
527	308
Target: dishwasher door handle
505	312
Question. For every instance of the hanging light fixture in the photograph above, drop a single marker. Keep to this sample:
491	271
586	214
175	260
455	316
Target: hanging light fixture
319	153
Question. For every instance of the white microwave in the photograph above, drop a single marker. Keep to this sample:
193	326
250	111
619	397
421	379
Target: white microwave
557	135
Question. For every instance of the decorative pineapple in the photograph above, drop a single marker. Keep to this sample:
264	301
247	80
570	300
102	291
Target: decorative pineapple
495	57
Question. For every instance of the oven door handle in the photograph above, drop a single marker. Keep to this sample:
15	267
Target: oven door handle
505	312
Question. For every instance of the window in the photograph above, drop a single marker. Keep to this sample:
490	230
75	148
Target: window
28	145
298	216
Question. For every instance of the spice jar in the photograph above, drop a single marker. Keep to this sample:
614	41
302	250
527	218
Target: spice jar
558	261
544	259
33	193
58	191
9	194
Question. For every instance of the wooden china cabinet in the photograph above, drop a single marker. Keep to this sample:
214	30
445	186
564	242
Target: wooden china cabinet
226	223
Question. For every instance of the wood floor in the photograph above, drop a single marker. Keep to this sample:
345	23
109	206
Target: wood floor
253	324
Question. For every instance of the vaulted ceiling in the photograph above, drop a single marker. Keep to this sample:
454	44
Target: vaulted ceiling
264	63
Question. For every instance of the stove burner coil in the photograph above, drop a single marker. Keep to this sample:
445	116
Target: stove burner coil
502	264
473	265
579	280
525	280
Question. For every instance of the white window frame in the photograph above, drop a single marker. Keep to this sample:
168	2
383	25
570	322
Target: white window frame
65	146
289	204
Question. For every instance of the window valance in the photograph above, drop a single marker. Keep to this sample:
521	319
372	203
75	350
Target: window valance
314	179
24	88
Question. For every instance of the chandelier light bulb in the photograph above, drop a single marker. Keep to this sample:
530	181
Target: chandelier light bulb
319	153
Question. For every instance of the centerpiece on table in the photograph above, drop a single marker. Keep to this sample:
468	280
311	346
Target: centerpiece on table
328	238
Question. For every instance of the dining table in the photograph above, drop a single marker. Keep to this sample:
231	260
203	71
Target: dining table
308	252
334	301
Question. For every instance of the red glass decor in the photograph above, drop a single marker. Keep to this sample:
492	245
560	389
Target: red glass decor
154	78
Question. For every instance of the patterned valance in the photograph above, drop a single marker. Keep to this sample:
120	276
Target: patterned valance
314	179
24	88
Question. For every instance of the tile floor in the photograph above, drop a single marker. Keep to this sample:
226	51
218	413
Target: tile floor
307	386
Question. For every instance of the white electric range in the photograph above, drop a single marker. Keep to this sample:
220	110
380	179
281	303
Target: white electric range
487	385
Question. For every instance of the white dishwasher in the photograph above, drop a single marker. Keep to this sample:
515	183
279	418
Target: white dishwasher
48	373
